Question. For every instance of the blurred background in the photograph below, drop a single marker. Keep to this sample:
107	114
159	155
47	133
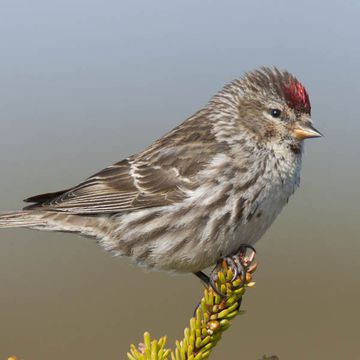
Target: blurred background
84	84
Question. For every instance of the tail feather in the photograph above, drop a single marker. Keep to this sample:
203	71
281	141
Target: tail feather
20	219
90	226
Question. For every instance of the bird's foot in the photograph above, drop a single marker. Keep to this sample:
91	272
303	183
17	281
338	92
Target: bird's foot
239	264
230	273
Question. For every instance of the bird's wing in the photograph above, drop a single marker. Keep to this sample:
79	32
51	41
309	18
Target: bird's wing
161	175
127	185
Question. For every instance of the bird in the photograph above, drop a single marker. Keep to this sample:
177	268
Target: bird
200	193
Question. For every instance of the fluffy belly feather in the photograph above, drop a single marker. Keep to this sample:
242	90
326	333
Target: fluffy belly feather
195	233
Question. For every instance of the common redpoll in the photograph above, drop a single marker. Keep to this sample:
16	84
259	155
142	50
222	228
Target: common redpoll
196	195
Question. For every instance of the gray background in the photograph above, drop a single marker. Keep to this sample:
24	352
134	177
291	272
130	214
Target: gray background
86	83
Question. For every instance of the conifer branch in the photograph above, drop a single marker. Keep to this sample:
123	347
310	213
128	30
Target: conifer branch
212	318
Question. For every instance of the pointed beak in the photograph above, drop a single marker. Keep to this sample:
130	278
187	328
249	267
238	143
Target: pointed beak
305	131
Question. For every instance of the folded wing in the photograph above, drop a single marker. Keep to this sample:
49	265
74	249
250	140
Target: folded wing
127	185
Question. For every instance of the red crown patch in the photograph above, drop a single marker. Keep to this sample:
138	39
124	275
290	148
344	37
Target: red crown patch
297	97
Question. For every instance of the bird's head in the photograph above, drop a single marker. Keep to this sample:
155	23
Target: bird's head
271	106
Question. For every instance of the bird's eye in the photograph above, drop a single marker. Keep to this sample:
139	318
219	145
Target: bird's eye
276	113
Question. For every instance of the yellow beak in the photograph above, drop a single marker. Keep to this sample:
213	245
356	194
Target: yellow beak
305	131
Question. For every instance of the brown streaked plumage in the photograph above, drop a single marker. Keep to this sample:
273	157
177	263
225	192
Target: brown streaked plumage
215	182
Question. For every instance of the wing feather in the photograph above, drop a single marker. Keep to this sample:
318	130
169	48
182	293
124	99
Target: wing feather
117	188
158	176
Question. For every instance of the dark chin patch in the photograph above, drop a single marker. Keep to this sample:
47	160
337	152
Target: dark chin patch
295	148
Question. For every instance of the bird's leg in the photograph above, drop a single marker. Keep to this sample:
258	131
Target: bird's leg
203	277
209	281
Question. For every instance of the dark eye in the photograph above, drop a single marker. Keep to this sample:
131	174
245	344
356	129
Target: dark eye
276	113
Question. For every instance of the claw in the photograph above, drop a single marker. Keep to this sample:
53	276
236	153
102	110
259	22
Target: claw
247	260
239	263
214	287
231	262
241	270
247	246
252	268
